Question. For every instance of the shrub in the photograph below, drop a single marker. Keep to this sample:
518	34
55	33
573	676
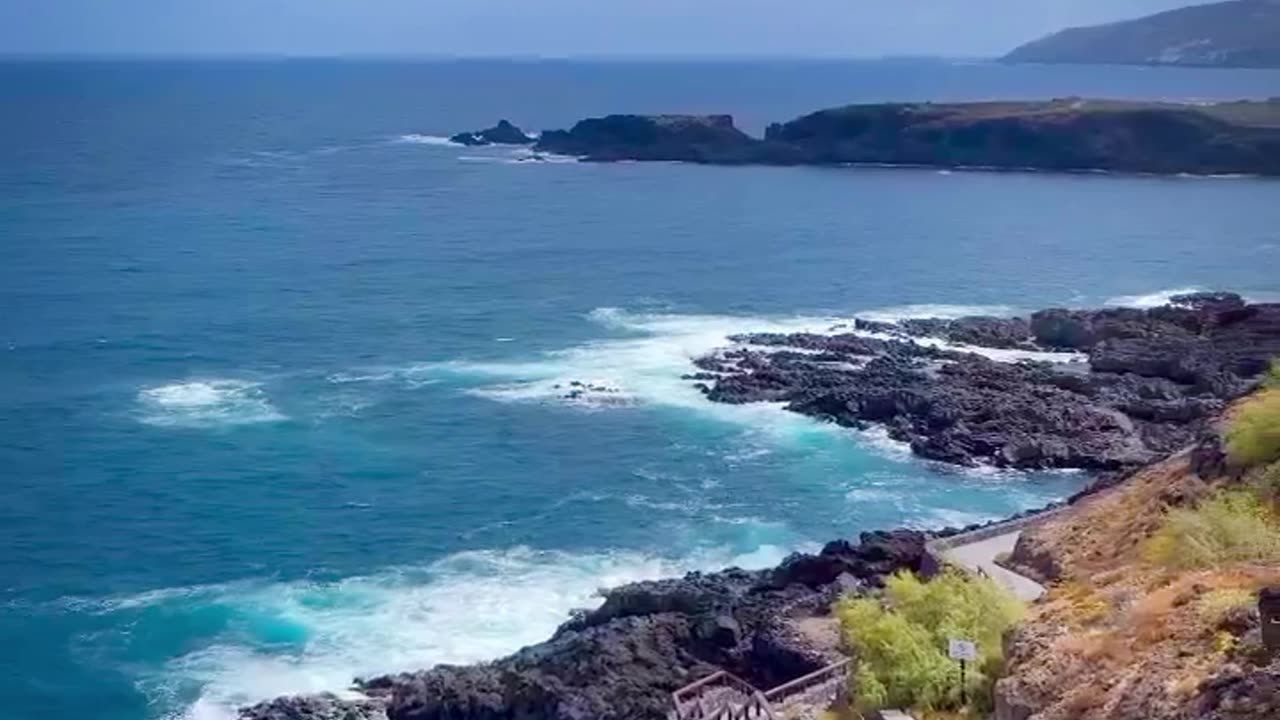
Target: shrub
1267	482
1272	378
1228	526
1253	433
1083	602
1217	605
901	642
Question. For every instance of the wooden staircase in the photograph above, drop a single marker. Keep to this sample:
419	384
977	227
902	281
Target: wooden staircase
725	696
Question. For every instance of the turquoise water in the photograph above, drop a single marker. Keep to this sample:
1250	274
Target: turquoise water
279	369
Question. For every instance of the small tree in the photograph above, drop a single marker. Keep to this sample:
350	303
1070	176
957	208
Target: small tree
900	641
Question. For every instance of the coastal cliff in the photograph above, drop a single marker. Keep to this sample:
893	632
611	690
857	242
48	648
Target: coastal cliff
1155	381
1058	135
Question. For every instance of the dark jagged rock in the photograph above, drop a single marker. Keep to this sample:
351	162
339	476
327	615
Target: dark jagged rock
316	707
688	138
504	133
1068	134
1239	692
622	660
1154	379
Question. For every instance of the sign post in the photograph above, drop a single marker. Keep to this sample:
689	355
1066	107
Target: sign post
1269	611
964	651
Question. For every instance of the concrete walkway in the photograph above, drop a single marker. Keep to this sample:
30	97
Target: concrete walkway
980	556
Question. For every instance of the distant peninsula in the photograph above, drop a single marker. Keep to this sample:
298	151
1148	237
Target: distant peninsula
1065	134
1239	33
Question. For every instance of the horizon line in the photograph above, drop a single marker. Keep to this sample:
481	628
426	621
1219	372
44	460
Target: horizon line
512	57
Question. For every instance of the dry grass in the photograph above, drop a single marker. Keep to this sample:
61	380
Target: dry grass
1084	698
1253	429
1123	636
1104	532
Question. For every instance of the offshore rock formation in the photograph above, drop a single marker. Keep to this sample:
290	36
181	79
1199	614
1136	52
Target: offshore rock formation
622	660
1062	135
504	133
688	138
1141	384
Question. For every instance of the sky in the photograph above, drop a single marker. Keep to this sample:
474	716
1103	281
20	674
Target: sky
551	28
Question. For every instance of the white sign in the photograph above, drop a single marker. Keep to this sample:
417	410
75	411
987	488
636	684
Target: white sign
962	650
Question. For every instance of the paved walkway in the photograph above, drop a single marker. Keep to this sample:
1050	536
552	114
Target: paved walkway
981	556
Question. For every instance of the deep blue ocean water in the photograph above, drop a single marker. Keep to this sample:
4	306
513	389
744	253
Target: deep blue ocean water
284	378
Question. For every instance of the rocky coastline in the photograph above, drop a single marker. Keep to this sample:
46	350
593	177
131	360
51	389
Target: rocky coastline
623	660
1067	134
1131	386
1112	389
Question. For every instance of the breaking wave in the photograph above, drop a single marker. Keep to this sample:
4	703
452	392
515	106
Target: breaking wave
1152	299
417	139
646	365
206	403
264	639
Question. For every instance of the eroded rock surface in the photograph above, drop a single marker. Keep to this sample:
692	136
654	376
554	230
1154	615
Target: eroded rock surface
1127	387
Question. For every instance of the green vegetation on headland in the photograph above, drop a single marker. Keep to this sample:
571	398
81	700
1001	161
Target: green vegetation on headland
1066	134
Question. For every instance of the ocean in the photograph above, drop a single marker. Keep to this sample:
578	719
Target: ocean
287	381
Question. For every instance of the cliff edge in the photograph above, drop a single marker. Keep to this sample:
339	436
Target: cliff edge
1070	134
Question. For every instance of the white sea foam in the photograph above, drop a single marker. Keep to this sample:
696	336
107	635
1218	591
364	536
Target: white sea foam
933	310
526	155
418	139
876	439
1152	299
645	366
469	607
206	403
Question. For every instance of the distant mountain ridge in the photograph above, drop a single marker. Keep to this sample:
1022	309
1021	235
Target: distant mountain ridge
1238	33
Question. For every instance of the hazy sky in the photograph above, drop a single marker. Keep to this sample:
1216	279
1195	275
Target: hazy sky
546	27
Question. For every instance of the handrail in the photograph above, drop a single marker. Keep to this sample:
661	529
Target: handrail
762	703
755	705
807	681
688	700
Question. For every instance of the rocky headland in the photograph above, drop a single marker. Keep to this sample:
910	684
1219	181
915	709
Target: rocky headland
1128	388
1102	390
1070	134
